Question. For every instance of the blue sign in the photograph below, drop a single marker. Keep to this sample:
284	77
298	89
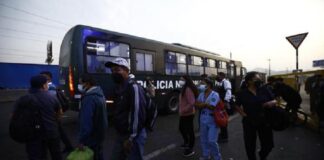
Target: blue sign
318	63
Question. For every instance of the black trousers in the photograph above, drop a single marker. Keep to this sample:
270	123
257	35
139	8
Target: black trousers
264	132
187	130
37	149
64	137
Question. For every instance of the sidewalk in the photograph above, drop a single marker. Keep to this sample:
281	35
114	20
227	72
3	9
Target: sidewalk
295	143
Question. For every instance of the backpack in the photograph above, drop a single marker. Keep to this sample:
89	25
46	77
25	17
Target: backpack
26	123
64	102
220	114
151	111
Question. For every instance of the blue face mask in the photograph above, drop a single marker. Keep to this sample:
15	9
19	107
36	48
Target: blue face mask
81	88
202	88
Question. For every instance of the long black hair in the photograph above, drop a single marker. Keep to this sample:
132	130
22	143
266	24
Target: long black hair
189	83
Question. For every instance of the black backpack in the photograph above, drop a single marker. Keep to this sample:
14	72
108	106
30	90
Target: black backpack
64	102
151	111
26	123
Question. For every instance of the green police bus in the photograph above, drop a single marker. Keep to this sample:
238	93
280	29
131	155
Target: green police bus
86	49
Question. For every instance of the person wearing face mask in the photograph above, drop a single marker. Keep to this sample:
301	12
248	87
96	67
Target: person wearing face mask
187	98
92	116
55	92
50	110
225	93
252	102
206	102
129	113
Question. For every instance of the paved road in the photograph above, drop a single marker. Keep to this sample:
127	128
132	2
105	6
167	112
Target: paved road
295	143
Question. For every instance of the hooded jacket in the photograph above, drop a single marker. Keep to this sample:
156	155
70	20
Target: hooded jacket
129	111
93	117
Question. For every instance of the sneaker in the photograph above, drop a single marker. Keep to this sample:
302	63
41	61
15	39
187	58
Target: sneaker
188	153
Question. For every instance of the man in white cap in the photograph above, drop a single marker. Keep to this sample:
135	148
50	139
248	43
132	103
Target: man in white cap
129	113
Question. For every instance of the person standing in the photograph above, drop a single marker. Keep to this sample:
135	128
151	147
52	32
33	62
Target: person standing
187	114
93	117
50	111
53	91
150	88
291	96
255	99
206	102
129	113
225	94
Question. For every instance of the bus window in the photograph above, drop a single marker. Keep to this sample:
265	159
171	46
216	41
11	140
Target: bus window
196	66
119	49
210	67
98	52
175	63
238	71
144	62
231	70
221	65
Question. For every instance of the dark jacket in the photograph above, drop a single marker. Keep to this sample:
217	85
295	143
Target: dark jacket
252	104
93	117
288	94
48	106
129	109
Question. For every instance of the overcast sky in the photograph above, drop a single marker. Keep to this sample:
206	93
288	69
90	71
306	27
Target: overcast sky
253	30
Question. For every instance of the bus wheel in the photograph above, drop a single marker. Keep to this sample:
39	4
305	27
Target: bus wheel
173	103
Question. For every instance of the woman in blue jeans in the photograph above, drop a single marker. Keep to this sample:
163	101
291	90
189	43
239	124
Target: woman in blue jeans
206	102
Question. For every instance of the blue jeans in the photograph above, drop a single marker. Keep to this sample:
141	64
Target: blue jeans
137	151
209	136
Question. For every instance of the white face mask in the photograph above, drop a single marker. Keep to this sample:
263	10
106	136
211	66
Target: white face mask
202	88
81	88
182	83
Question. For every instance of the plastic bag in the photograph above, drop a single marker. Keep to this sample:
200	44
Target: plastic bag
77	154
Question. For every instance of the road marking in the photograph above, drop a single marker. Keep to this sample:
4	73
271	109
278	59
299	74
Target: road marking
173	145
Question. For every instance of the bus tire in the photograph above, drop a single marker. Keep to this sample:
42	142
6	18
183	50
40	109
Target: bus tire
172	103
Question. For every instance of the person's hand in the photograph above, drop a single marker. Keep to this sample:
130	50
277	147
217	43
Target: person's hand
80	147
270	104
128	145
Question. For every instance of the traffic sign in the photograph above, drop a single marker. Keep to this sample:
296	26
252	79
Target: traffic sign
318	63
296	40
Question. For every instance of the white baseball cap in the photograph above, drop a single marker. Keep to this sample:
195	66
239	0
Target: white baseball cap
118	62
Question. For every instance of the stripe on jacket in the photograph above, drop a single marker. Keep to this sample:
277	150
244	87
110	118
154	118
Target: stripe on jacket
136	110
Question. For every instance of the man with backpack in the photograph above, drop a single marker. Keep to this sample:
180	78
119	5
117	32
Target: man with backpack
64	105
225	93
35	121
129	113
